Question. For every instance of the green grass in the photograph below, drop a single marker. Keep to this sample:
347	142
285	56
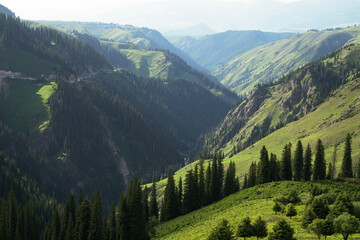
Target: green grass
26	104
269	62
252	202
20	61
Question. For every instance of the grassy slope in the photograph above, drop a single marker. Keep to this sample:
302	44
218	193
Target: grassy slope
271	61
317	124
213	50
252	202
26	104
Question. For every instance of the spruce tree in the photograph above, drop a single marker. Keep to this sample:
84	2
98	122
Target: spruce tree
251	181
346	166
245	228
137	224
274	169
222	232
319	172
11	214
285	167
282	231
307	164
123	220
112	223
145	204
260	229
214	179
220	175
83	219
55	223
170	208
153	208
329	172
207	193
201	182
264	166
96	218
180	196
69	210
298	162
245	183
70	234
230	185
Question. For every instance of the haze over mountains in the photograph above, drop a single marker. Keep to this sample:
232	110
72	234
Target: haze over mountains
87	106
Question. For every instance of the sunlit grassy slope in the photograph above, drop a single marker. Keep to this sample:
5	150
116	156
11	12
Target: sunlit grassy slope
331	121
269	62
25	103
252	202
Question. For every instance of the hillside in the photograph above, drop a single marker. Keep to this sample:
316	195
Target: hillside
269	62
7	11
336	115
88	126
252	202
210	51
143	37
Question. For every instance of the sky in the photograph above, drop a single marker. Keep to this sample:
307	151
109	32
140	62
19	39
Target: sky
220	15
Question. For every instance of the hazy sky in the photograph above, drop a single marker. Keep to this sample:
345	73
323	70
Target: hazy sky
220	15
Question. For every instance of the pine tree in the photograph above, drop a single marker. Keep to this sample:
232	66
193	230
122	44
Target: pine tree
260	230
145	204
55	223
290	210
11	214
245	228
282	231
207	194
307	164
329	172
112	223
264	166
222	232
70	234
153	208
69	210
123	220
96	218
137	225
346	166
83	219
285	167
277	208
169	208
252	175
220	175
298	162
191	194
245	183
230	185
180	196
214	179
274	169
319	172
201	182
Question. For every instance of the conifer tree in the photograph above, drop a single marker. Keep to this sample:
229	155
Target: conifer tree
207	194
180	196
3	220
169	208
112	223
245	183
251	181
70	234
222	232
245	228
260	230
264	166
298	162
137	224
96	218
220	168
201	182
285	167
83	219
69	210
153	208
123	220
346	166
55	223
319	172
231	183
145	204
11	214
307	164
274	169
214	179
282	231
290	210
329	172
191	194
277	208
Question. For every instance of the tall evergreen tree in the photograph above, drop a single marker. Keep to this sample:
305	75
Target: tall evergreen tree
346	166
214	178
96	218
112	223
190	193
220	168
69	210
170	208
260	229
83	219
207	193
137	224
153	208
307	164
70	234
222	232
274	168
319	172
251	181
55	223
180	196
285	167
201	182
11	214
298	162
264	166
123	220
230	185
245	228
145	204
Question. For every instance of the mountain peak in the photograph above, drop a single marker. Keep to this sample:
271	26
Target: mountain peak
7	11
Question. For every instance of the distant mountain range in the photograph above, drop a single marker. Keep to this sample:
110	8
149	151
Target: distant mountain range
7	11
197	30
213	50
269	62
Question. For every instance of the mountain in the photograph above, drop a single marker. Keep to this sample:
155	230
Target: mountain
72	122
269	62
143	37
7	11
211	51
197	30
